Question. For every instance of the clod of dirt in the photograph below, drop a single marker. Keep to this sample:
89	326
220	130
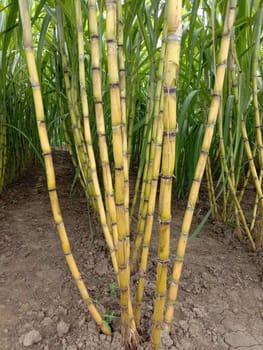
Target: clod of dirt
40	315
47	321
62	328
102	268
166	340
236	339
184	325
72	347
30	338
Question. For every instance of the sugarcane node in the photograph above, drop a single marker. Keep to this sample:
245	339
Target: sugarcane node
174	283
119	169
120	204
157	324
190	208
165	222
116	127
52	189
47	154
28	47
169	133
110	195
88	301
217	95
115	85
35	86
169	90
197	180
204	152
111	2
163	262
41	121
167	178
95	69
177	259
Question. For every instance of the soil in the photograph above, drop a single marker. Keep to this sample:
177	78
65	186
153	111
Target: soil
220	302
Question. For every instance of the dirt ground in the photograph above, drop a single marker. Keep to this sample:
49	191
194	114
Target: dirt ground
220	303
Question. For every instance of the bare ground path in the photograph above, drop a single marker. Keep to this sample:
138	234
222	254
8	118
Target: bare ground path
220	304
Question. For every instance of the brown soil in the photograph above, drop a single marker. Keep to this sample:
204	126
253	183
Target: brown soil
220	303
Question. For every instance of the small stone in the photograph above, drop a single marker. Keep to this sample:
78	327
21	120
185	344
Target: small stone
6	330
167	341
62	328
184	325
186	345
103	338
62	311
40	315
47	321
80	345
82	321
102	268
30	338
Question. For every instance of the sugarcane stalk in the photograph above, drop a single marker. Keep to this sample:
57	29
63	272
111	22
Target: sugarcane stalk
50	172
171	71
100	123
200	167
128	324
122	77
87	133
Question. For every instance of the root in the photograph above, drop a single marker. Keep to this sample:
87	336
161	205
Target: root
131	339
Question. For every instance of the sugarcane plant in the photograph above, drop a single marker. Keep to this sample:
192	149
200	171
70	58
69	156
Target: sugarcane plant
147	97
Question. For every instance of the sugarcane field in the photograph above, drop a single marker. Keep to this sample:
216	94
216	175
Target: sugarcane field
131	165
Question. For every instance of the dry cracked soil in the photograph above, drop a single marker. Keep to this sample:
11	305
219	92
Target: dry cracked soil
220	303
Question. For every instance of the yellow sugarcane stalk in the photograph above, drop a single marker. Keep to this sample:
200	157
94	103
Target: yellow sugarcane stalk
75	124
171	72
46	150
122	77
100	124
153	175
123	254
87	134
200	167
